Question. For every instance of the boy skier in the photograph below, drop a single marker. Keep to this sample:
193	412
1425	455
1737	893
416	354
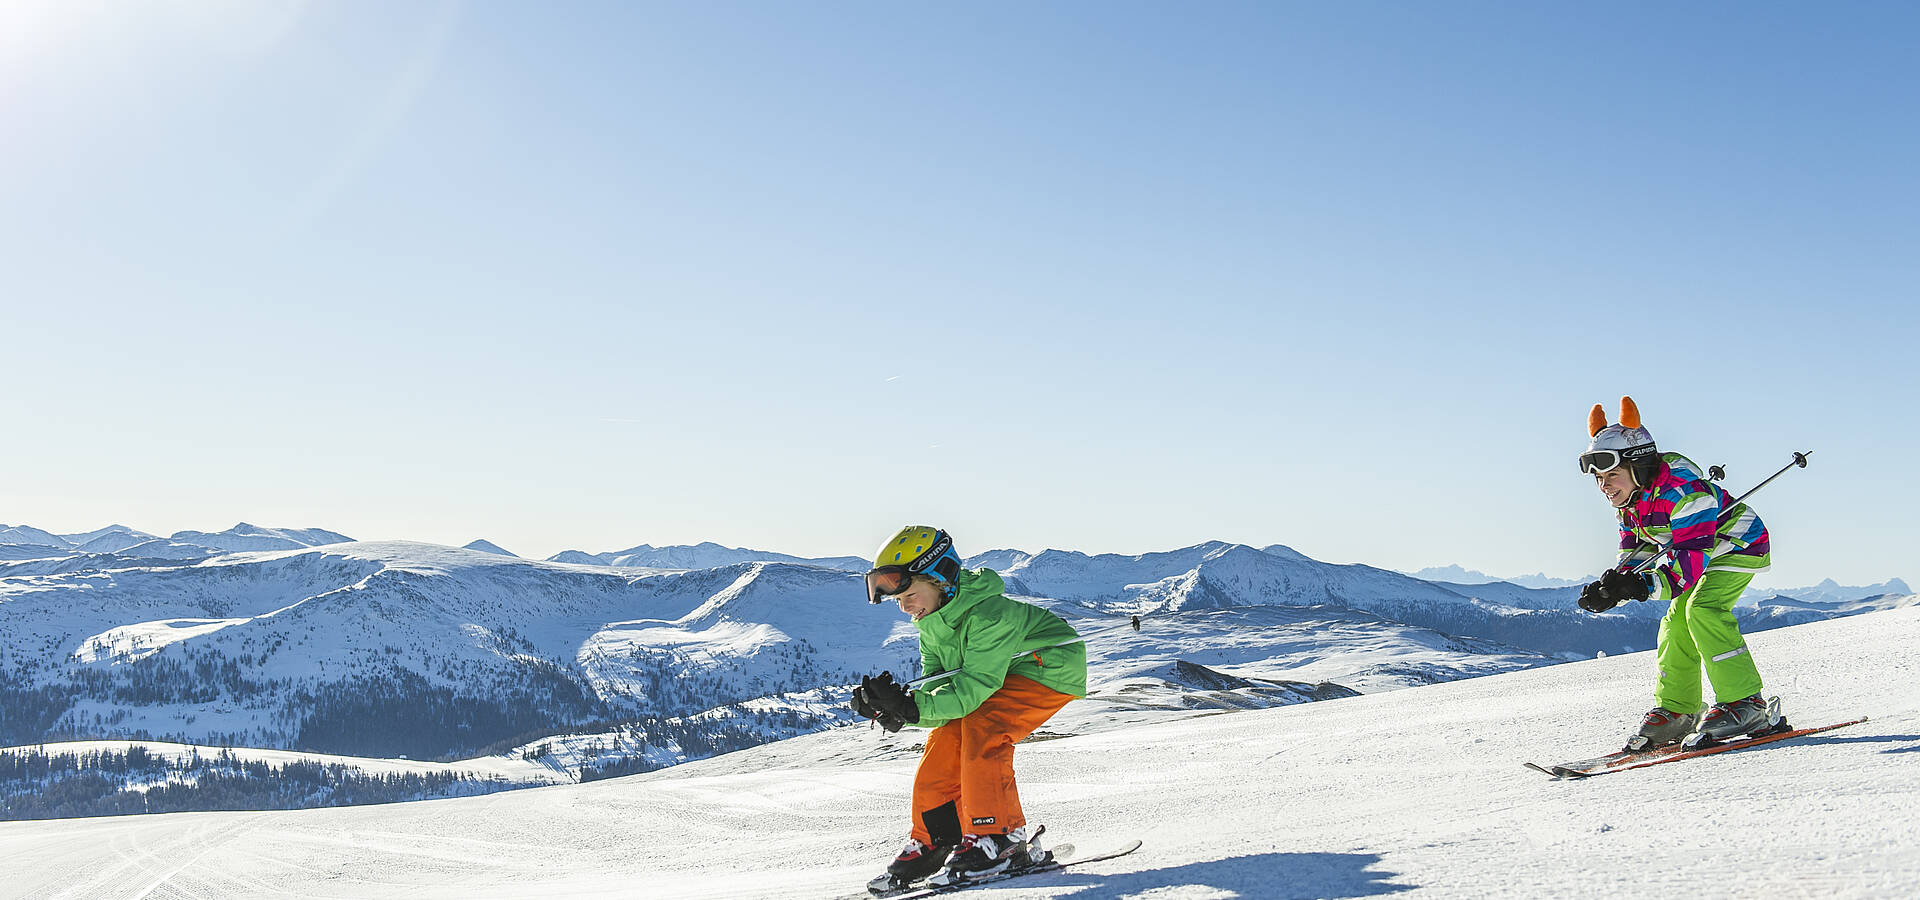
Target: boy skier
1011	666
1665	505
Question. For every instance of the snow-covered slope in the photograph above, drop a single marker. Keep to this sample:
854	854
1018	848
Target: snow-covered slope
1415	793
1310	644
382	649
486	546
32	551
997	560
111	539
506	768
1218	575
85	537
1786	605
27	534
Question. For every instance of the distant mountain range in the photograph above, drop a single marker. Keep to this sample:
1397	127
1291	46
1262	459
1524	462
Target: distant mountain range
1829	593
1457	575
301	639
27	542
699	556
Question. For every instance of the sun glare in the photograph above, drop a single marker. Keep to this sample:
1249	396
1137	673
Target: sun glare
39	32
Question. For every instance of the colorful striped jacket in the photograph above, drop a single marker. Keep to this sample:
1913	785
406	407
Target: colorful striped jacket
1682	508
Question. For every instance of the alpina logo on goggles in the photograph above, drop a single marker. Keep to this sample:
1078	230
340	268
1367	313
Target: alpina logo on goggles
887	581
1598	461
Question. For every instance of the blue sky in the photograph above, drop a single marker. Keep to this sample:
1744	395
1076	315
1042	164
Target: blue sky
1112	277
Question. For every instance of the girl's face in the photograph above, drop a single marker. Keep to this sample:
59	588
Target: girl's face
919	599
1617	485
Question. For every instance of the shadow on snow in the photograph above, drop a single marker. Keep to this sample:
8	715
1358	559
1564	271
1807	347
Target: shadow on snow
1281	876
1819	740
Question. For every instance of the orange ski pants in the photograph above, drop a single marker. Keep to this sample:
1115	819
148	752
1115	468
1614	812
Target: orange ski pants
969	762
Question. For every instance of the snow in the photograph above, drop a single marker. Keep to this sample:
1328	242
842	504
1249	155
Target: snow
87	537
128	643
1417	792
1458	574
161	548
499	767
109	540
704	555
1831	594
702	645
253	537
486	546
27	534
33	551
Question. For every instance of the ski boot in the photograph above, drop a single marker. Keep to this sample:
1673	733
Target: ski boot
983	856
1660	727
915	862
1753	716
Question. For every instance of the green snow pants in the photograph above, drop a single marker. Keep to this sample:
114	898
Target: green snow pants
1700	628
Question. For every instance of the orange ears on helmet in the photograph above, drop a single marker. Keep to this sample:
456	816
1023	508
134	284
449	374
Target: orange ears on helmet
1629	416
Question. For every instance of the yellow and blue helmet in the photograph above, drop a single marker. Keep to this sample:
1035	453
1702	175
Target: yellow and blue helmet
913	550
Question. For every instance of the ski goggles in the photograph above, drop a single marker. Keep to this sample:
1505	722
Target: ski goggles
887	581
1595	462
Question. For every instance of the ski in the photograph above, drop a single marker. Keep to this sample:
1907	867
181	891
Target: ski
1624	760
1054	863
1597	764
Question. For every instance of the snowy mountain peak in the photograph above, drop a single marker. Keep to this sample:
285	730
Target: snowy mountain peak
486	546
110	540
1284	551
83	538
997	560
247	537
27	534
704	555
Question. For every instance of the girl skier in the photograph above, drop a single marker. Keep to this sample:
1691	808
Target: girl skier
1665	505
1009	665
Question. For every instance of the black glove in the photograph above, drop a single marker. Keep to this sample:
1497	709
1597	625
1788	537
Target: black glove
1593	598
883	700
1623	586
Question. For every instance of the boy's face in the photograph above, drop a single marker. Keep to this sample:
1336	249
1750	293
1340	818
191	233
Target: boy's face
919	599
1617	485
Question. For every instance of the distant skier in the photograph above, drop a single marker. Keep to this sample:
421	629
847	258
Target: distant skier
966	808
1663	501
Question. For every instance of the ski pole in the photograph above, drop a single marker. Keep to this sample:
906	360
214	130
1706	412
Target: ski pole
1799	460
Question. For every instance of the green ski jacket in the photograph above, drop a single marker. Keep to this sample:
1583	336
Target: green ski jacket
977	635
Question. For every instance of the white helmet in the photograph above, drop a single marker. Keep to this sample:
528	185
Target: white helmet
1617	445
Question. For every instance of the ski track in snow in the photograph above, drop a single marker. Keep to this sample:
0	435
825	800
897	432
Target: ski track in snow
1416	793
